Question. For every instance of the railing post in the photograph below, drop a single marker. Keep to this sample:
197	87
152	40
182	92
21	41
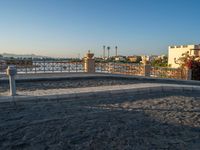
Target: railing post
11	72
69	66
89	63
109	67
44	64
76	66
52	66
146	67
188	73
26	67
61	66
147	70
35	65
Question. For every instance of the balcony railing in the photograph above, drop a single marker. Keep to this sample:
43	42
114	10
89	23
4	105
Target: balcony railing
164	72
119	68
103	67
46	67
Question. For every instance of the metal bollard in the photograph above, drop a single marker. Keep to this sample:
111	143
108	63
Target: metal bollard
11	72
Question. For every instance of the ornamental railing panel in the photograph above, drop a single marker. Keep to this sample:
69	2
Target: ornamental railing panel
119	68
103	67
164	72
45	67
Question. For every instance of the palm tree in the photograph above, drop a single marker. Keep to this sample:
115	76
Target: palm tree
116	51
104	51
108	48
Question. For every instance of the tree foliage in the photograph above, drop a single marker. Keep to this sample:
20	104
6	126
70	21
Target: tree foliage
191	62
159	62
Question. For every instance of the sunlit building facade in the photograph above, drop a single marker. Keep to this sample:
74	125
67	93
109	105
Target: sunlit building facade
175	52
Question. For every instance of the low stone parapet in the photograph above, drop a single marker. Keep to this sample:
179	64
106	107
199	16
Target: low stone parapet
122	91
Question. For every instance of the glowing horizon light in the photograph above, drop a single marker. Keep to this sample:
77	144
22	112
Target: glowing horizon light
59	28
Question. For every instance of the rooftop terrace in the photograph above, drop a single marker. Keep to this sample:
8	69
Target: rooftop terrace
99	111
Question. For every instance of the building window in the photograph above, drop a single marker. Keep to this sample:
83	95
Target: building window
178	46
172	47
185	46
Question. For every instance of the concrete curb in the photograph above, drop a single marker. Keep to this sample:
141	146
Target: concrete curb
104	76
122	93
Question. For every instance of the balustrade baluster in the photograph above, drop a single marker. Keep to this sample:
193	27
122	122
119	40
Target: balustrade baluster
26	66
69	66
44	65
35	66
53	65
76	66
61	66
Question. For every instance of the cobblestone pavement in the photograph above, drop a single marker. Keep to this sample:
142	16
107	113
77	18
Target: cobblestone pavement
160	121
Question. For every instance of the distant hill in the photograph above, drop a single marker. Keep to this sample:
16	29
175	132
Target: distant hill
23	55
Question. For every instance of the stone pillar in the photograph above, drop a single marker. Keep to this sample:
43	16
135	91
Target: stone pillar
147	70
89	63
188	73
11	72
146	67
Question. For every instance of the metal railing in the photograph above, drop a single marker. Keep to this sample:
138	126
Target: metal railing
119	68
47	67
139	70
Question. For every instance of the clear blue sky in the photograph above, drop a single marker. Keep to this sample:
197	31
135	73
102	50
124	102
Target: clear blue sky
68	27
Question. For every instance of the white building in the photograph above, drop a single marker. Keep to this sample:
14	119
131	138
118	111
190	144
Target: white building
120	58
152	57
175	52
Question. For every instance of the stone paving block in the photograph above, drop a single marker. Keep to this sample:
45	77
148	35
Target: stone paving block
117	91
155	89
66	96
86	95
119	96
143	90
24	98
170	88
131	92
187	89
196	89
177	88
103	94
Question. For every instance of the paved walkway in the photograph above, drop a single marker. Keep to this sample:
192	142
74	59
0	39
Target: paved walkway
101	91
54	75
